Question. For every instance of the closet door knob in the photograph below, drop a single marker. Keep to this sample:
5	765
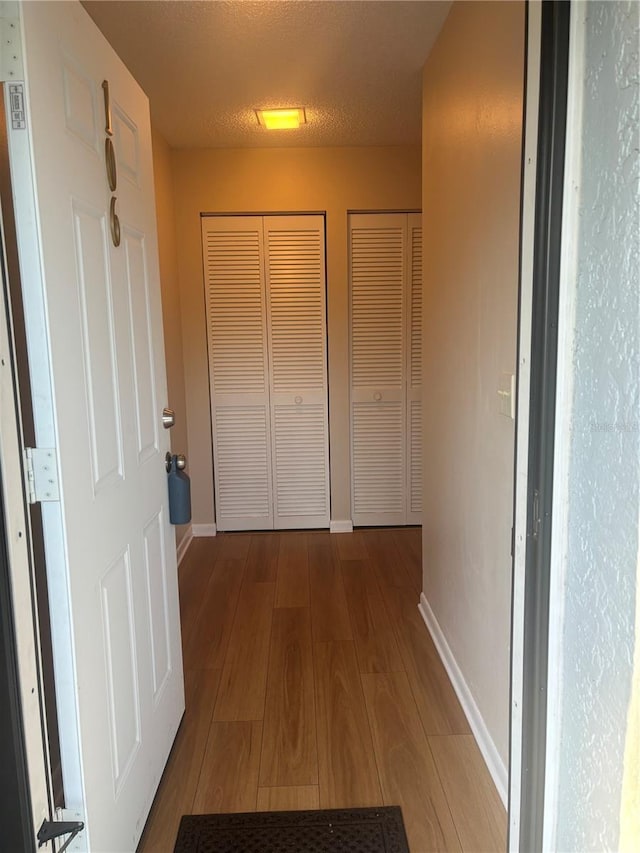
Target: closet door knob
298	400
377	396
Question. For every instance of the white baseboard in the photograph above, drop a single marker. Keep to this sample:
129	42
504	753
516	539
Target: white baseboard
181	550
491	756
345	526
203	529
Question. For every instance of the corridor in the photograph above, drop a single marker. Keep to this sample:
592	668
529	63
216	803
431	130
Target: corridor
312	682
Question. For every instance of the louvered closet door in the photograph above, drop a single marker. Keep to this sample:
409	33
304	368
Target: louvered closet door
238	371
414	370
378	258
296	323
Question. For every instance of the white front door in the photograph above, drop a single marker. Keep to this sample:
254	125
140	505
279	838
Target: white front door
96	354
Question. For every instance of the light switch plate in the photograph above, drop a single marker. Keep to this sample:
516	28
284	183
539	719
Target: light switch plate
507	395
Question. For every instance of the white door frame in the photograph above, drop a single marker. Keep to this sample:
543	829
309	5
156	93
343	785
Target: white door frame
21	574
538	514
564	408
16	517
521	484
37	336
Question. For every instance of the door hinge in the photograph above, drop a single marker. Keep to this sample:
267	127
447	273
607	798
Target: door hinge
10	43
52	829
42	474
536	520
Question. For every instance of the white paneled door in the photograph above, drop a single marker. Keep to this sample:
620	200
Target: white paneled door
386	363
266	319
96	353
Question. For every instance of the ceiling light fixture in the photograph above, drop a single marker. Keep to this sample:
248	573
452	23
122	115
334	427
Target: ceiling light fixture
285	119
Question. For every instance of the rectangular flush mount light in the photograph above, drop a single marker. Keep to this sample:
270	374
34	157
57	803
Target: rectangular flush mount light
286	119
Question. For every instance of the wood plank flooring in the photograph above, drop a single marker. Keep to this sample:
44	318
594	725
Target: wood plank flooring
312	682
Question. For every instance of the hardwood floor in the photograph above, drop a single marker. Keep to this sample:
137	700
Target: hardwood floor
312	682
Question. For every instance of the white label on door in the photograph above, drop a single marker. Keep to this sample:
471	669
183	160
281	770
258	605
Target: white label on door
16	98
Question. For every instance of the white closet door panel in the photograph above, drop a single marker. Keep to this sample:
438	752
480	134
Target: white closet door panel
242	467
414	371
378	268
296	323
238	371
301	483
414	508
232	250
378	258
296	301
415	301
378	448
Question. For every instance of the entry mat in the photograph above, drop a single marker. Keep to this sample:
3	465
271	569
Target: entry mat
371	830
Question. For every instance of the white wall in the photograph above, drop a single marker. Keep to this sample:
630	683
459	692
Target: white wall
595	565
472	126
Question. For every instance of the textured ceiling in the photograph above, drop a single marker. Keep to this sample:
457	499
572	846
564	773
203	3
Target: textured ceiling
355	66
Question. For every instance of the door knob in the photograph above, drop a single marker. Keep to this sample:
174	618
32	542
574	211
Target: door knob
180	461
168	418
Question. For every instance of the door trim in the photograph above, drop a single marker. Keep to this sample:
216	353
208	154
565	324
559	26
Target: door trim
24	687
37	337
525	302
564	407
527	833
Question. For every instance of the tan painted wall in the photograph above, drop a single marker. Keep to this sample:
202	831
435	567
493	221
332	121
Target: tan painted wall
280	180
472	116
171	313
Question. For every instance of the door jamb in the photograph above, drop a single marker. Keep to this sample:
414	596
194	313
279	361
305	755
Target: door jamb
36	332
27	702
525	302
533	540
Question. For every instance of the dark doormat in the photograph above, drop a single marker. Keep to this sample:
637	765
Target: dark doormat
373	830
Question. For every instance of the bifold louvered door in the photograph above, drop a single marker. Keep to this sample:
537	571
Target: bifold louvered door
385	284
413	341
296	326
233	253
266	320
